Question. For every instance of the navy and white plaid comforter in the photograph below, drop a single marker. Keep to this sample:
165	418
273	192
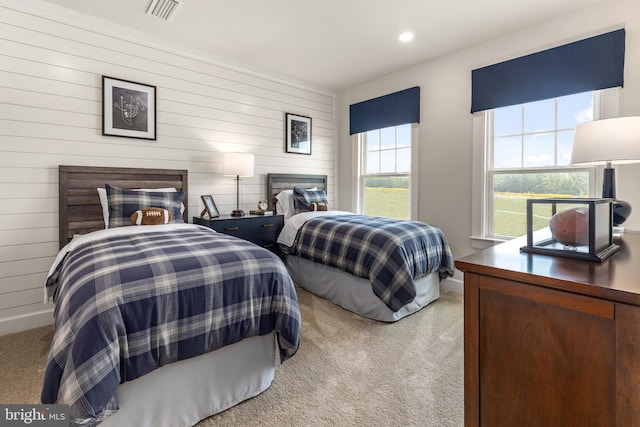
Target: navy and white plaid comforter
391	253
128	304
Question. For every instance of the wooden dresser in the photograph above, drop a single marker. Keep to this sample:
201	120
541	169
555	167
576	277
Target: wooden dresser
551	341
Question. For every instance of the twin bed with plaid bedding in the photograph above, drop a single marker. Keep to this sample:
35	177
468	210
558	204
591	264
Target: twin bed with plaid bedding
390	253
127	304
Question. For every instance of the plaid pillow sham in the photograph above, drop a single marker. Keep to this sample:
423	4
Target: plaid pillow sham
124	202
302	198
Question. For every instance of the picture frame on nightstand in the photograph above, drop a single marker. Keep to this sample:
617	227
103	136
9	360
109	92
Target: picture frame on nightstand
210	207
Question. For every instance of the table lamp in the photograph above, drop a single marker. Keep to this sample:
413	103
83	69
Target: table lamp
239	165
608	141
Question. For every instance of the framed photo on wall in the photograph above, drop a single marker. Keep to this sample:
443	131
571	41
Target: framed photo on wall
210	207
128	109
298	134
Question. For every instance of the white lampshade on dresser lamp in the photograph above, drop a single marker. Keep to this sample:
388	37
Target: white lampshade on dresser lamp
239	165
610	141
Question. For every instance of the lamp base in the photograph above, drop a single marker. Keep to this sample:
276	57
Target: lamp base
237	213
621	211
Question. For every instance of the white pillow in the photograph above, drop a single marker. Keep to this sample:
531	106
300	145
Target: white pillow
104	201
284	202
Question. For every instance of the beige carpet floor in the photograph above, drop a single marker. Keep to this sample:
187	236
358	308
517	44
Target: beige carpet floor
349	371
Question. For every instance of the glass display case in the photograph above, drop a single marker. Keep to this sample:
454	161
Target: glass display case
572	227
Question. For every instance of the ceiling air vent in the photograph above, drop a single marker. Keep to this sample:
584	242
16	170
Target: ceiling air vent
164	9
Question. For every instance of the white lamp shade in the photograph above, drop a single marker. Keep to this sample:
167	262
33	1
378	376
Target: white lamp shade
238	164
611	140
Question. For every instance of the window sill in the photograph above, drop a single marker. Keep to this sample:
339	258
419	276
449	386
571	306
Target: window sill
485	242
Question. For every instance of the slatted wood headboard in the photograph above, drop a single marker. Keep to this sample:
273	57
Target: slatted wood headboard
276	182
80	210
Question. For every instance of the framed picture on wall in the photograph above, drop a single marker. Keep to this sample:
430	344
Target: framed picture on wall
128	109
298	134
210	207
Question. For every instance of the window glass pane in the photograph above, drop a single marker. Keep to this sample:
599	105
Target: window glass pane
534	135
388	137
403	135
565	145
403	160
539	116
387	197
373	140
511	191
539	150
388	161
507	152
507	120
574	109
386	172
373	162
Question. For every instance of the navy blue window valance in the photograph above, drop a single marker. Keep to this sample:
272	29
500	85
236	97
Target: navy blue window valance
589	64
397	108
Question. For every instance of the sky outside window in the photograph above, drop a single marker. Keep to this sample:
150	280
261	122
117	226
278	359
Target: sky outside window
389	150
526	135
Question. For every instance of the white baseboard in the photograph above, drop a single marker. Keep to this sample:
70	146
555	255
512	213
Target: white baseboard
23	322
452	284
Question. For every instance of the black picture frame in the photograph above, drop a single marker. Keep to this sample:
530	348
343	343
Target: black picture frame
210	207
128	109
297	134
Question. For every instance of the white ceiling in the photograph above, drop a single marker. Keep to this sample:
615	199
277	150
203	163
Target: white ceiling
333	44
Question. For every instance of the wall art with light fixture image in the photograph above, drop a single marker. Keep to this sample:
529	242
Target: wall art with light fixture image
298	134
128	109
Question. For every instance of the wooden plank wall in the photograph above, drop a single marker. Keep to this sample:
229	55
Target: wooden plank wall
51	65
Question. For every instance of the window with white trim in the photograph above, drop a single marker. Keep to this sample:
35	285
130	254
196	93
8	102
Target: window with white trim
385	180
527	154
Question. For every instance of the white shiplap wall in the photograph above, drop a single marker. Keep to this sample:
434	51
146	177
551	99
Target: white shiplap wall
50	114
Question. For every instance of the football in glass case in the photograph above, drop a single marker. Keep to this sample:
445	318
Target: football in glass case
580	228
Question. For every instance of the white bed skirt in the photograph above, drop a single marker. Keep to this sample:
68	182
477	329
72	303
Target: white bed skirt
183	393
355	293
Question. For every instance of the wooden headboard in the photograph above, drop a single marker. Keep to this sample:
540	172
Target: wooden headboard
276	182
80	210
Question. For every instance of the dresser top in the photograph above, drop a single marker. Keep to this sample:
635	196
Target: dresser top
617	278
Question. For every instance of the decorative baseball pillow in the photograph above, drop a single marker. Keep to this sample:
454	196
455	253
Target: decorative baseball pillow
151	216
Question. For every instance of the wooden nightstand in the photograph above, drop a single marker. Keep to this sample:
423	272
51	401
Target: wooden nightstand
259	229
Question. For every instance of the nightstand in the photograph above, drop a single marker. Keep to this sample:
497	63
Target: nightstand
259	229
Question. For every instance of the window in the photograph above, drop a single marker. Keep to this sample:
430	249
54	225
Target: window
385	172
527	154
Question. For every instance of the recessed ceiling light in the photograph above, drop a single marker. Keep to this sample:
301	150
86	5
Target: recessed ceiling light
407	36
